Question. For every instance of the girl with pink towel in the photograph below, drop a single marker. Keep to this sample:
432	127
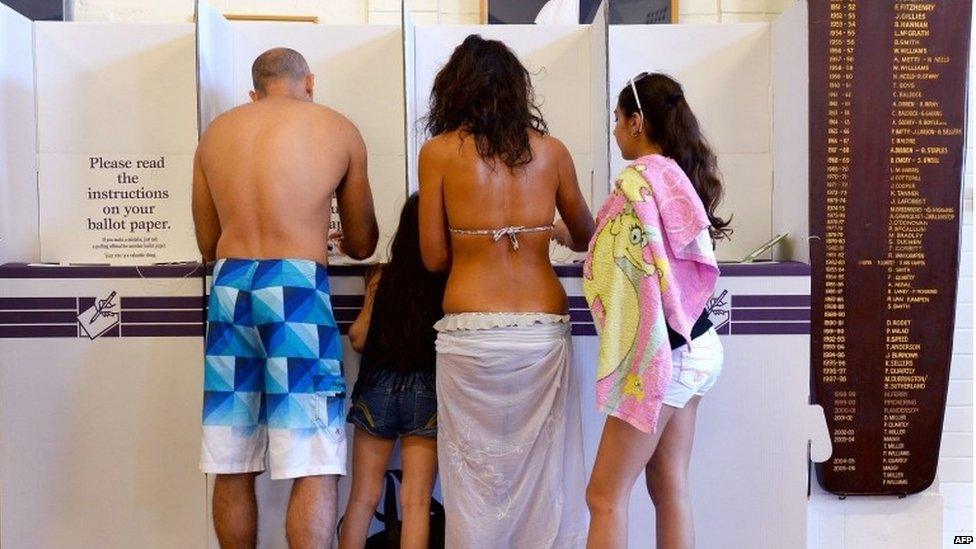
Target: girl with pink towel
648	276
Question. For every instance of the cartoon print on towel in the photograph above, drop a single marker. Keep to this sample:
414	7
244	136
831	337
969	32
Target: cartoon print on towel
621	248
650	266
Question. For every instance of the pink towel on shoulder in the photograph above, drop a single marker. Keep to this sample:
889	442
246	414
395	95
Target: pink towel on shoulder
650	265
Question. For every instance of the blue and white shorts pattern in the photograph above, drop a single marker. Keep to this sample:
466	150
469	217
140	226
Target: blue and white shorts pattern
273	378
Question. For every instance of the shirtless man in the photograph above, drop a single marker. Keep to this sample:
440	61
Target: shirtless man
264	176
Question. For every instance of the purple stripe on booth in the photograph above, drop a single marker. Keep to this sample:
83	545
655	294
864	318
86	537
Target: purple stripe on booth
583	330
38	331
163	330
568	270
771	301
38	317
167	302
578	302
347	301
37	303
580	315
770	314
345	315
157	317
770	328
759	268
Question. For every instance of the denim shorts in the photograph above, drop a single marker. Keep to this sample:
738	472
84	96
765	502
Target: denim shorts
396	405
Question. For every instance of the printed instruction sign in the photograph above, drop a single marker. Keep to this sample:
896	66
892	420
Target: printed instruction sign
119	209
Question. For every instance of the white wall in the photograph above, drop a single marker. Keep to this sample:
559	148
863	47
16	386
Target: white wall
384	12
956	456
731	11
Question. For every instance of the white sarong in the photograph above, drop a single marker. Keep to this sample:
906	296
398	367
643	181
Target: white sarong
509	433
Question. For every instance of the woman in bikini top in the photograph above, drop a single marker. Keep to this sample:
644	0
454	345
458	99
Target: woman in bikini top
491	183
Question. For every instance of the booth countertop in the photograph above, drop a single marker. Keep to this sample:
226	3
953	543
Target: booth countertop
193	269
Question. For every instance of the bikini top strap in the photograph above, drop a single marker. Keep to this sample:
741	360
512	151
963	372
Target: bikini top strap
511	232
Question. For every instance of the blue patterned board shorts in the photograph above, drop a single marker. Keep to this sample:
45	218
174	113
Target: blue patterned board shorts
273	376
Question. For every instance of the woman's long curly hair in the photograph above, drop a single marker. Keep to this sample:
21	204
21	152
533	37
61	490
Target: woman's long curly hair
671	125
485	90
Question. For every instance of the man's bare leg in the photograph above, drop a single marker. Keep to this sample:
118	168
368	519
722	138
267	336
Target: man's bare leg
311	517
235	511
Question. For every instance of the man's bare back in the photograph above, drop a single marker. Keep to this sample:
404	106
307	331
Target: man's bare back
271	168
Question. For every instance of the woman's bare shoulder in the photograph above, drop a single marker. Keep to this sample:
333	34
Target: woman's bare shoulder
436	147
547	144
549	150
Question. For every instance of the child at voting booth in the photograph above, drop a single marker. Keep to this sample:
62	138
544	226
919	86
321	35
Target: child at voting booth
394	395
648	275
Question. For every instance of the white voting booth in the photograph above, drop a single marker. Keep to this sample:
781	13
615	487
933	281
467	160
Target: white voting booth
114	176
358	71
725	71
110	182
747	84
18	138
99	437
567	64
98	134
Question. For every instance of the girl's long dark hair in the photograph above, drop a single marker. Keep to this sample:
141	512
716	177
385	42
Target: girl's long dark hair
670	124
486	91
408	298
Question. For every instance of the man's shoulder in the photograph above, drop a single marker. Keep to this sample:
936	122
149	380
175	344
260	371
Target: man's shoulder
225	122
326	114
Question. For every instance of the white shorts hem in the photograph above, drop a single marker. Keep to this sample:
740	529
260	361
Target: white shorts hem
232	468
299	472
